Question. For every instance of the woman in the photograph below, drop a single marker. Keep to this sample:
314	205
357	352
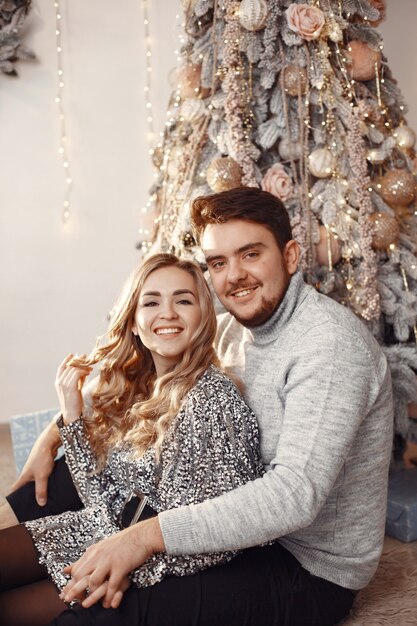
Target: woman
164	423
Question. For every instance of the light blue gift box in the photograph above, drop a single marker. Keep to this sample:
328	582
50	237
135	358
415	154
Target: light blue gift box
25	429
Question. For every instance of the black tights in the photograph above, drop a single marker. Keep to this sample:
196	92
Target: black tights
27	596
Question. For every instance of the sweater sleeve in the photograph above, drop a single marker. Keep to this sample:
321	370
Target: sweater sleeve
332	383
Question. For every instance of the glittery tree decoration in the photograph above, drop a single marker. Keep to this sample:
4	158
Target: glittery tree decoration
12	18
298	98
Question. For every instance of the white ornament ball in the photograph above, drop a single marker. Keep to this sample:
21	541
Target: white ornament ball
192	109
290	149
335	32
252	14
404	136
321	162
375	155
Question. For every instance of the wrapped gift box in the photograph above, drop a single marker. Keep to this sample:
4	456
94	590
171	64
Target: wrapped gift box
402	505
25	429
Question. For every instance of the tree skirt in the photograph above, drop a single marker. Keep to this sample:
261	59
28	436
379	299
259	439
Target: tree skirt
391	597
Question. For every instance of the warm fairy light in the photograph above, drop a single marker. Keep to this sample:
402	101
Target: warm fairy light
63	147
148	74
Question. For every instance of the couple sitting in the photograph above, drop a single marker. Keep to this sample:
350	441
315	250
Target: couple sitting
281	527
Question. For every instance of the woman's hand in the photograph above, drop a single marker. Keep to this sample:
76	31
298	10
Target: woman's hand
102	571
68	384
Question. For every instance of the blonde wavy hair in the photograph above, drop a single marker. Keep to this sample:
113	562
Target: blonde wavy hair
130	403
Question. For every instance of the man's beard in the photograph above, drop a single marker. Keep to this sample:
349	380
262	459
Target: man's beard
268	308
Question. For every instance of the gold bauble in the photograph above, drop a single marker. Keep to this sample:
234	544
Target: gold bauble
321	162
186	79
403	212
404	136
295	79
398	187
327	239
223	173
362	60
157	156
385	230
252	14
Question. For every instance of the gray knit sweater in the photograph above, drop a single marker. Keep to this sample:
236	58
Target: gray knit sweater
320	387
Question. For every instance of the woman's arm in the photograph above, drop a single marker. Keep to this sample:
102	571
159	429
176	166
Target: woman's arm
214	447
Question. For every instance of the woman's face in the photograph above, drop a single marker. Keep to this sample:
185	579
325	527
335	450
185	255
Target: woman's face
167	315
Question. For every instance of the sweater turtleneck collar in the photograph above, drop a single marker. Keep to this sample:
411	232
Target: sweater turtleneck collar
296	292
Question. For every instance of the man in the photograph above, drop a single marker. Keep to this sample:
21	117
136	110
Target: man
320	387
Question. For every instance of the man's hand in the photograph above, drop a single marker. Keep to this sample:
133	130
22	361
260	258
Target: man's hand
40	463
102	571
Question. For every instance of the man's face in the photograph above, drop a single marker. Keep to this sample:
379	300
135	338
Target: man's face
249	272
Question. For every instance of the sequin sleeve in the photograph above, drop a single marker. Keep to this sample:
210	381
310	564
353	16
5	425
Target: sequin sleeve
213	448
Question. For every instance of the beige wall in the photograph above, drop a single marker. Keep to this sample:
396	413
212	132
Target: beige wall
57	283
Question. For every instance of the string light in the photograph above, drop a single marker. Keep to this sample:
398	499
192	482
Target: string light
148	75
63	143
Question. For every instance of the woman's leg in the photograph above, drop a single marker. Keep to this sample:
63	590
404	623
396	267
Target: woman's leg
7	516
262	586
27	596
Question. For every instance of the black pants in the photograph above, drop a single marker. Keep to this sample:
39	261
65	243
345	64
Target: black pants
263	586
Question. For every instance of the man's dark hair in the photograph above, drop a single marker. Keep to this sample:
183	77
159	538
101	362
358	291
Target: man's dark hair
242	203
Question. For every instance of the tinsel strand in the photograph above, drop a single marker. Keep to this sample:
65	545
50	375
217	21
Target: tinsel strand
235	107
357	156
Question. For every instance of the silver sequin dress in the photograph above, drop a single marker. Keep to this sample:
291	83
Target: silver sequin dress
211	447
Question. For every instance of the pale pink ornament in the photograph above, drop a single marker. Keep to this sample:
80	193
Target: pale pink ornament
328	246
278	182
252	14
321	162
397	187
306	20
363	62
404	136
382	8
385	230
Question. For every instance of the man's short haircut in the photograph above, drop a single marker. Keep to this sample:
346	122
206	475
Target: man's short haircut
242	203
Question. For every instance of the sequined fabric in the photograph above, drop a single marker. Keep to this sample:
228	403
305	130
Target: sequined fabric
211	447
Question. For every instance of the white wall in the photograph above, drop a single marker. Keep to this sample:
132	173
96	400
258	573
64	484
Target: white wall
58	283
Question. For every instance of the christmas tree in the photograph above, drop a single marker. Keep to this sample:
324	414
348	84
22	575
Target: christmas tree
298	98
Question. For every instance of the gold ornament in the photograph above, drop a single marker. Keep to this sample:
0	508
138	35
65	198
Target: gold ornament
397	187
385	230
295	79
252	14
186	79
157	156
362	60
402	212
321	162
327	250
404	136
223	173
